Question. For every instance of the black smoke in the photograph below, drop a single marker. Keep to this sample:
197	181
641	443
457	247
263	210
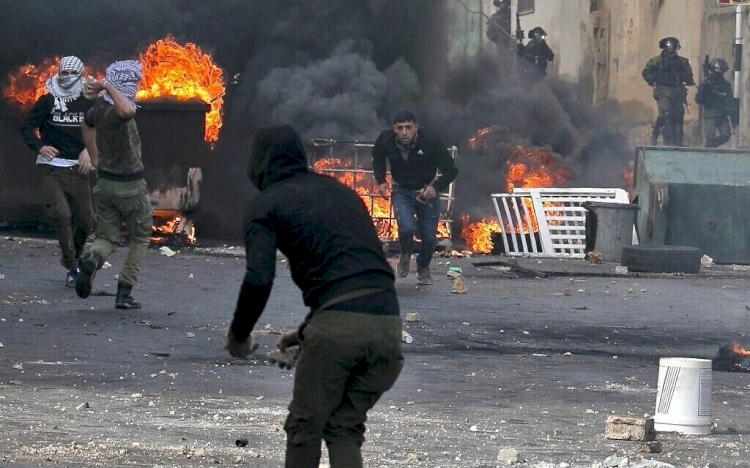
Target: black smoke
333	69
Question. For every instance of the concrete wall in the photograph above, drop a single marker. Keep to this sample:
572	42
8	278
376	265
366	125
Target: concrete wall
636	28
566	23
467	33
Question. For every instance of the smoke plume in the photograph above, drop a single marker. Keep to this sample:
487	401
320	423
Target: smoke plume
335	69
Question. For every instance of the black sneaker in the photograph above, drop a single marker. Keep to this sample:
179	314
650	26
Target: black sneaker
402	269
88	267
70	280
424	277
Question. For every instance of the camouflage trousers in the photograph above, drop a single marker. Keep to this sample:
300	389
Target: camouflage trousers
671	104
713	124
116	203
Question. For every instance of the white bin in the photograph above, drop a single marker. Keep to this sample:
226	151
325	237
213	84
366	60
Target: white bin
683	396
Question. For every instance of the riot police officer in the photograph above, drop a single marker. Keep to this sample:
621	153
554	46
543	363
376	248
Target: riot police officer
669	74
534	55
716	97
498	26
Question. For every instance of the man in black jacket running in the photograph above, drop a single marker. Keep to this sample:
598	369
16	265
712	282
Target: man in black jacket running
350	342
421	168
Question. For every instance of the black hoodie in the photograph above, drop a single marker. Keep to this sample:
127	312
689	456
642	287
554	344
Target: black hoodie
319	224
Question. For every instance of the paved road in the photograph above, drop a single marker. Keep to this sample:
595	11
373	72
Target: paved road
517	363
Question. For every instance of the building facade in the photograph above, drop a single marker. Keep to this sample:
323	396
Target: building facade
603	45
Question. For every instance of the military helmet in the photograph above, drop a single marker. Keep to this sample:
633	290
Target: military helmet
537	32
670	44
718	65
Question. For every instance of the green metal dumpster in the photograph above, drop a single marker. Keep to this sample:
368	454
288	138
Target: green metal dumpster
694	197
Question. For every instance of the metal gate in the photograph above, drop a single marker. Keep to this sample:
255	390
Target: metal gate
548	222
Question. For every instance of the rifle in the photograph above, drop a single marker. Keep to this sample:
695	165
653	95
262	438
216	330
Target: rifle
706	69
519	31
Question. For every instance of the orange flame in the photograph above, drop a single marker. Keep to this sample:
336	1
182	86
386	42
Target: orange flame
478	141
170	70
26	85
478	236
739	350
184	73
378	205
177	229
527	168
534	168
627	174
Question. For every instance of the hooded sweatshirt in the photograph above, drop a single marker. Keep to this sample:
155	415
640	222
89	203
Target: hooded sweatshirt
320	225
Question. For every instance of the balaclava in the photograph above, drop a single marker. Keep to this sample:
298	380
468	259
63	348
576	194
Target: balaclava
66	88
124	76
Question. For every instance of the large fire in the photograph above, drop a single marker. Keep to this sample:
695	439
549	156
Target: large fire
183	72
26	85
170	70
534	168
525	168
378	204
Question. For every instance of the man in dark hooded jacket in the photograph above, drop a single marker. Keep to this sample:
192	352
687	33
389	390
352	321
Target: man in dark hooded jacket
350	342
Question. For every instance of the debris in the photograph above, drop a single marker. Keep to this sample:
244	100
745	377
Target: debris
106	266
594	257
627	428
286	358
2	277
651	447
242	442
167	252
412	317
707	261
459	287
406	337
190	335
621	270
82	406
513	264
508	455
18	366
453	272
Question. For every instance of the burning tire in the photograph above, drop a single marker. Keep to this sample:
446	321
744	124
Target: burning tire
661	258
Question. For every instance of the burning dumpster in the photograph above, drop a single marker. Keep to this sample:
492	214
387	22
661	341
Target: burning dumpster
174	148
694	197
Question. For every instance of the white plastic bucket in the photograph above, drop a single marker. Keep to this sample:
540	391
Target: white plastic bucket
683	396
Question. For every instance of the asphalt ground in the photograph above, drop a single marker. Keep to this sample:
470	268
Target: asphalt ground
518	368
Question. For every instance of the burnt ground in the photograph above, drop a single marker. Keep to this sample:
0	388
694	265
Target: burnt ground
517	363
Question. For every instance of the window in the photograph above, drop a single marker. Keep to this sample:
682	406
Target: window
525	6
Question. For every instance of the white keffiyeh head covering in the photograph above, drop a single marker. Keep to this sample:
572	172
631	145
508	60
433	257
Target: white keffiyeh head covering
66	88
124	76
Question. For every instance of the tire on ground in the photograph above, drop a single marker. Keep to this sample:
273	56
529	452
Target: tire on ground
661	258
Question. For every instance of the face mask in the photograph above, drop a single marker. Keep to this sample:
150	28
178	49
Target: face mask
67	82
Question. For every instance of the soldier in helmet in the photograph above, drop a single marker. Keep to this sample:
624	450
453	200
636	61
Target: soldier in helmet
669	74
534	55
498	26
716	97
